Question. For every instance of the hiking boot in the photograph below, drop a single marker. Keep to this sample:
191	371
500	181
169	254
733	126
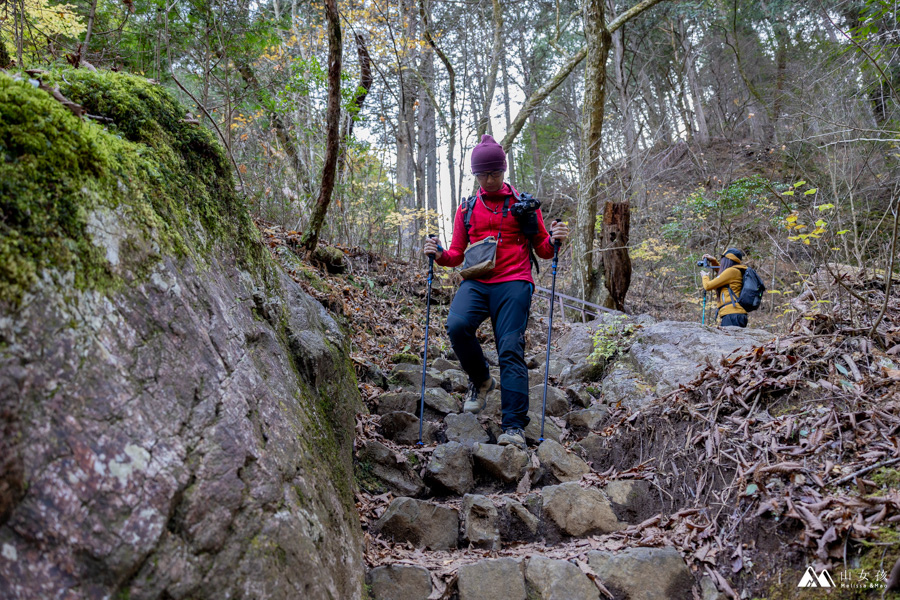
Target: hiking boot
476	397
512	436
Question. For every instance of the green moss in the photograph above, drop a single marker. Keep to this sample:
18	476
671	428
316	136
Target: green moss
886	477
164	186
406	357
365	479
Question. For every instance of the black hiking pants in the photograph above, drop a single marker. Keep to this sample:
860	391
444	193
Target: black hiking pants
508	305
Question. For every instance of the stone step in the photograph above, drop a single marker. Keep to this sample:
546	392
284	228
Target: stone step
463	463
550	514
563	408
629	574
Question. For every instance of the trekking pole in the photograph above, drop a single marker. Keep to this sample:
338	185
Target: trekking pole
703	318
425	353
556	245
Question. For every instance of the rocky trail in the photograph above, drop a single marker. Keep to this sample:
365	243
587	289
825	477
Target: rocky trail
464	516
694	463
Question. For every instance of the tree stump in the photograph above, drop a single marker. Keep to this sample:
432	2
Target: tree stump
616	262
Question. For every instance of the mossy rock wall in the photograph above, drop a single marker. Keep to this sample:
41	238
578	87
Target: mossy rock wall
176	414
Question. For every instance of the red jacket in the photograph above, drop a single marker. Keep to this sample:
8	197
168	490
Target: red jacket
513	262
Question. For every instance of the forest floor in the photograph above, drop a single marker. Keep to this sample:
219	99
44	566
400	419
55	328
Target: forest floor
780	458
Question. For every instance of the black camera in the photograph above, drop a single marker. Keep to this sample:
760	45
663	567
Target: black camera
704	264
528	204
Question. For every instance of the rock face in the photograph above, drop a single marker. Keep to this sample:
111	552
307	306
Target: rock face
176	413
480	522
670	353
506	463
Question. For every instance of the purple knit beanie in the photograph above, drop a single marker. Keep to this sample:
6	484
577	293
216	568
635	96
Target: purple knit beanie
488	156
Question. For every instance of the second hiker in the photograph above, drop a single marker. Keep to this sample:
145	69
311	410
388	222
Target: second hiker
494	233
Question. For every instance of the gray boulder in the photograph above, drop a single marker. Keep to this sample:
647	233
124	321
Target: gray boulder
533	429
440	401
398	402
391	471
399	582
558	364
549	579
456	380
496	579
578	395
563	465
583	370
465	429
632	499
557	400
624	384
643	573
506	463
176	412
451	468
670	353
423	524
480	522
492	406
588	419
403	428
517	523
577	511
491	356
444	365
410	375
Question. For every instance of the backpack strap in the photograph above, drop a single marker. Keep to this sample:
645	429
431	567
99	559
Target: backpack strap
534	261
468	206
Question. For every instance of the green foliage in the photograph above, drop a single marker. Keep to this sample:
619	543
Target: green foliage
57	23
745	203
611	339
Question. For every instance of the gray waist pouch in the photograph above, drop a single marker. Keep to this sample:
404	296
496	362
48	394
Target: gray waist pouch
480	258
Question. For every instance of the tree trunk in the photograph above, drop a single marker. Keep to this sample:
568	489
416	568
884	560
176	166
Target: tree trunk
365	84
484	117
333	120
635	187
509	155
406	124
425	15
616	261
426	165
599	42
690	71
782	40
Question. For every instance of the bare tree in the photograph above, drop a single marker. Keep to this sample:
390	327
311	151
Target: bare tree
333	127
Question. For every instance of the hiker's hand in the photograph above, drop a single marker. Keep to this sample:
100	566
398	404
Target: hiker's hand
559	231
431	247
711	257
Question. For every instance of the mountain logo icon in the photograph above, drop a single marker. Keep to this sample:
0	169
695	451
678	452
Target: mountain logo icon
811	580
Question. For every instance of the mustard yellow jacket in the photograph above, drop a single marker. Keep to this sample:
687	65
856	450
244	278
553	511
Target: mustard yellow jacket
731	278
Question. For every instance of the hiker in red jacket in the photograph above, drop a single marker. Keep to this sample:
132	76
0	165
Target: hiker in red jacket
503	293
